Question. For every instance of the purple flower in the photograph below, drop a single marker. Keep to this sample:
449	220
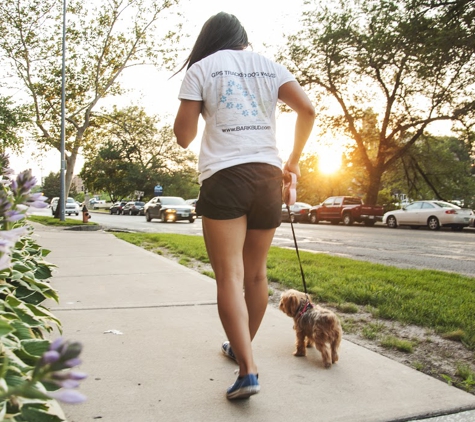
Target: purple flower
67	396
54	366
36	200
50	356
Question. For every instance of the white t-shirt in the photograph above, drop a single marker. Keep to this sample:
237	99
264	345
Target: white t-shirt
239	90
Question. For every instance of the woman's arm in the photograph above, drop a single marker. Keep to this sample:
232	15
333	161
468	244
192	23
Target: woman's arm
292	94
186	122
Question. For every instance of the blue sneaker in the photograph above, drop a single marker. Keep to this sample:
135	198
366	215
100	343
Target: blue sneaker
226	348
244	387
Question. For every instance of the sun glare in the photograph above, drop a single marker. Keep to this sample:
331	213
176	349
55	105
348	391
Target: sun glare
329	160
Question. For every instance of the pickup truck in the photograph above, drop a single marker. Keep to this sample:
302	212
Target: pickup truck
346	209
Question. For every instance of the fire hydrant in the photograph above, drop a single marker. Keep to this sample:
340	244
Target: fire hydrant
85	215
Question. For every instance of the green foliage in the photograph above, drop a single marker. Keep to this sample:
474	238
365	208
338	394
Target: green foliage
135	151
382	72
435	167
12	119
30	368
433	299
103	39
51	186
391	342
24	321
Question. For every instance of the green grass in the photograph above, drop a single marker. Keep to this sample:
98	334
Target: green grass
391	342
442	301
51	221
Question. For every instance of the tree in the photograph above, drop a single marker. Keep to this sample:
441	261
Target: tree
383	71
52	185
104	38
135	151
12	118
435	167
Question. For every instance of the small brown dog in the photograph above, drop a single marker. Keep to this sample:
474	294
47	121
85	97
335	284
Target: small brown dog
318	326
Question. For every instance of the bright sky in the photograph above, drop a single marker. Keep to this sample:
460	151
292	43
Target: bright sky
265	22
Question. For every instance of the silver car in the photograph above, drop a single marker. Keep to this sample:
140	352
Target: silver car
72	207
432	214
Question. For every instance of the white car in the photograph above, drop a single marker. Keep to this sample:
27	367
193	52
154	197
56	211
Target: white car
433	214
72	207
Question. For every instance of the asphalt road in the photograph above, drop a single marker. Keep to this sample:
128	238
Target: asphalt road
443	250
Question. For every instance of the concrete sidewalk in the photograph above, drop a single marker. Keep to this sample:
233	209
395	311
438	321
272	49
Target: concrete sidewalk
152	338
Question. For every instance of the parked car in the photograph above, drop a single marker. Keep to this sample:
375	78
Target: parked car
346	209
117	207
433	214
72	207
169	209
133	208
298	212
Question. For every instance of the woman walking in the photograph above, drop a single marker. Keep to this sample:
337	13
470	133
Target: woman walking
240	200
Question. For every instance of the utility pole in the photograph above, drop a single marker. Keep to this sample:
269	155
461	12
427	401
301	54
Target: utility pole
62	194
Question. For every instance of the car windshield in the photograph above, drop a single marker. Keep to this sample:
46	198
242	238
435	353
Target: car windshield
173	200
70	200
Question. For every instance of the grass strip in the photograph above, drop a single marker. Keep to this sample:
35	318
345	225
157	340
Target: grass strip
442	301
52	221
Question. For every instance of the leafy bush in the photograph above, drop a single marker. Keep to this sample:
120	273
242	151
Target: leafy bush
34	372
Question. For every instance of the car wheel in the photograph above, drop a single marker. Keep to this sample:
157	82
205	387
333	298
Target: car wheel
313	218
162	217
191	220
77	213
347	219
391	222
147	217
111	212
433	223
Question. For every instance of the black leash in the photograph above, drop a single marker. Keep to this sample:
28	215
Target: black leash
297	250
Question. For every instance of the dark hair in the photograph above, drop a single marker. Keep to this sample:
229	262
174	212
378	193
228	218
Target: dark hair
222	31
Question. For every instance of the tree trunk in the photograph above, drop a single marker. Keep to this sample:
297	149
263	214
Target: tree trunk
373	186
70	164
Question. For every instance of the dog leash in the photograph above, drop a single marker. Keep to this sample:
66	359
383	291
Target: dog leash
290	196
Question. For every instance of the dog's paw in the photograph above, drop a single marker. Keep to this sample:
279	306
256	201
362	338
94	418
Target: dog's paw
299	352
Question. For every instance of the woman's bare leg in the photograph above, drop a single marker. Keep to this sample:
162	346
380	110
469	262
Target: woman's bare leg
256	248
225	241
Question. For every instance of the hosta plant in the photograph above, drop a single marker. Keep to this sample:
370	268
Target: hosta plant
34	372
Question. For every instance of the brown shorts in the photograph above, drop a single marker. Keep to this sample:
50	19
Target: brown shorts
253	189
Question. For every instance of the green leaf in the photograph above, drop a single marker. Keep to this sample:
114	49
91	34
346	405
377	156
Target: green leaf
23	331
43	272
21	267
39	413
35	347
5	328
